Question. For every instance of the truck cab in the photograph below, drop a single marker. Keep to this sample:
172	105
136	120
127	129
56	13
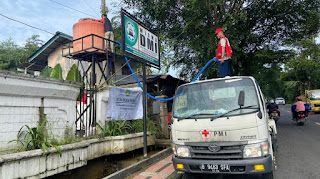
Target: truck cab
220	126
312	97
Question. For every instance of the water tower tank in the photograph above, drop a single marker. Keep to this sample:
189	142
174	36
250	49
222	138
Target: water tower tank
85	27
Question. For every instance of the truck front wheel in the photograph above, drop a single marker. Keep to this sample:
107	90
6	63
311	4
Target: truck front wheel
267	175
190	176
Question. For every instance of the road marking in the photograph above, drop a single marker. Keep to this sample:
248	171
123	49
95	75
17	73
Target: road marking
317	123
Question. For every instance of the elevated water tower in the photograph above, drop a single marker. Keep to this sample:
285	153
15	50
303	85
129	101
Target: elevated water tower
88	48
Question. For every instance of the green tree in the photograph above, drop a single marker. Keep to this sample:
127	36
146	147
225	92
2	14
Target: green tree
32	44
12	55
251	26
303	71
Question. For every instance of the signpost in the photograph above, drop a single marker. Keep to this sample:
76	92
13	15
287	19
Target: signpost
140	41
143	44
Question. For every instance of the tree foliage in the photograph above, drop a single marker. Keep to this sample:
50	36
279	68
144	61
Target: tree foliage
255	29
303	71
12	55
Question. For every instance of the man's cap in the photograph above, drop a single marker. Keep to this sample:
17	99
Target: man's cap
217	31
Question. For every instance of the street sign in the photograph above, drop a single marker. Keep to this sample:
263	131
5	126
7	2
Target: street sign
139	40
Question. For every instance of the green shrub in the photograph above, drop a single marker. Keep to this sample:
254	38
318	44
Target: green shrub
56	72
68	138
137	125
35	138
122	127
113	128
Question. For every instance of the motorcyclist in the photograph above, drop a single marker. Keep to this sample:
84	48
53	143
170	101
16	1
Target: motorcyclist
298	106
273	107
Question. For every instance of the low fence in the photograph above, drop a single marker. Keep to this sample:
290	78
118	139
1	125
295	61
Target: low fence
25	99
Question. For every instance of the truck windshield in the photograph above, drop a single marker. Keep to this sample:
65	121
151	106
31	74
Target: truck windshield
315	95
214	98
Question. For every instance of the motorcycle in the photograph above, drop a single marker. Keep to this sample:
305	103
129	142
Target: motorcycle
275	116
301	118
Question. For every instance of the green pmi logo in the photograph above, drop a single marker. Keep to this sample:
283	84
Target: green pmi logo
128	92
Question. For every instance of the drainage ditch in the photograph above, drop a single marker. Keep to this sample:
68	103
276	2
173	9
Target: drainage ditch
104	166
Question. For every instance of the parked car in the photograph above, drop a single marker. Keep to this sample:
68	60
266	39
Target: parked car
280	100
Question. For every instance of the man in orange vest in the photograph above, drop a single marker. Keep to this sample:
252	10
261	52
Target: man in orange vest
224	53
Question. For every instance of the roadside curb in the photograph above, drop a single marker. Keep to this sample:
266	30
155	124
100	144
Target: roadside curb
138	166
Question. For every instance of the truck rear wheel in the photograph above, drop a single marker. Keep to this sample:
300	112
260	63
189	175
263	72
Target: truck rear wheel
267	175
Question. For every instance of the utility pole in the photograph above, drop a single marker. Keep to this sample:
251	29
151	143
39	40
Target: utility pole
104	9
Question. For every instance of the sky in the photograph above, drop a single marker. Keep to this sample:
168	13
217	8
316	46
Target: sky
50	16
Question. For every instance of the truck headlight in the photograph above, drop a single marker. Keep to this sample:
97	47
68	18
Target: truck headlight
256	150
181	151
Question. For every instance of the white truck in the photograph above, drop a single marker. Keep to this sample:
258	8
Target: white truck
220	126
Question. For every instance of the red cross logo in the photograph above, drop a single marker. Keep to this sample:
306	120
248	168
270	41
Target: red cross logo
205	133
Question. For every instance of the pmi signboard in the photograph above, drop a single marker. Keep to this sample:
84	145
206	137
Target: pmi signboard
140	41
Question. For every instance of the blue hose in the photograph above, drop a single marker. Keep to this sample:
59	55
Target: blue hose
168	99
108	68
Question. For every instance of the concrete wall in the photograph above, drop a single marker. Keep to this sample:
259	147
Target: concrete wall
21	98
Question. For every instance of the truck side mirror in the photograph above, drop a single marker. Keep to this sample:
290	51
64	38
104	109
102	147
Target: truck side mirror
241	98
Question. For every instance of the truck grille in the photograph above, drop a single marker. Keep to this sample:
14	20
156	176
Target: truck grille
228	151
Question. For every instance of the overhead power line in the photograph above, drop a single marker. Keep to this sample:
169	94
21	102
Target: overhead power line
71	8
26	24
91	7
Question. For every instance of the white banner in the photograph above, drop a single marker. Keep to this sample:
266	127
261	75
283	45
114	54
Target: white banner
124	104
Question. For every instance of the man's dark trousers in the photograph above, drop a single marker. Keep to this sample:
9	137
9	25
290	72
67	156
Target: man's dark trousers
224	68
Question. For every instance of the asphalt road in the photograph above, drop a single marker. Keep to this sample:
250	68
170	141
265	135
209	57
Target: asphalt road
298	155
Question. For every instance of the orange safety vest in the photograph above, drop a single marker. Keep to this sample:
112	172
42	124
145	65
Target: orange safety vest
228	49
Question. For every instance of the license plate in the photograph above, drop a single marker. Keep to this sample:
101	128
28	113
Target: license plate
216	168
